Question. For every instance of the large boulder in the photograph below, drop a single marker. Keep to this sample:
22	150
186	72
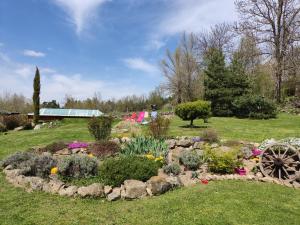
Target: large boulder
171	143
35	183
134	189
175	154
68	191
93	190
173	181
114	195
158	185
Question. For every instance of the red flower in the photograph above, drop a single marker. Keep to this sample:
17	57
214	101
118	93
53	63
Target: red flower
204	181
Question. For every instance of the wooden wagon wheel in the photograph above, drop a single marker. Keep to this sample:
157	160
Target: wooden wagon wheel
280	161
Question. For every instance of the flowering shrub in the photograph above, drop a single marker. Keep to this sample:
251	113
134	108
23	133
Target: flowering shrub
78	145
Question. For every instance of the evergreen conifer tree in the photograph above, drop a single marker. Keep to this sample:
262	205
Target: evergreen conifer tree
36	96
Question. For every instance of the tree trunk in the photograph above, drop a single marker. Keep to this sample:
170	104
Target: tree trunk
191	124
279	72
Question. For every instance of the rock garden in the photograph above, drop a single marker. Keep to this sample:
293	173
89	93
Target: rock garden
137	167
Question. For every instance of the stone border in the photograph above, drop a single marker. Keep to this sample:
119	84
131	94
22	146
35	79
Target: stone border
131	189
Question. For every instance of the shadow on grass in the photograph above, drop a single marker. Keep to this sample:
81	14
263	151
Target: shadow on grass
194	127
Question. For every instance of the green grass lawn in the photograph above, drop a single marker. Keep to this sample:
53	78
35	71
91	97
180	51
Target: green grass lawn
226	202
242	129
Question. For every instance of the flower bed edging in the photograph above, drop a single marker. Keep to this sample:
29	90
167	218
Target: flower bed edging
132	189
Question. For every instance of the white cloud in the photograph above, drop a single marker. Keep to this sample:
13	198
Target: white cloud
17	78
140	64
195	15
32	53
80	12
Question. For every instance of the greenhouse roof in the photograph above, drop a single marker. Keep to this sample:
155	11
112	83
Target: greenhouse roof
70	112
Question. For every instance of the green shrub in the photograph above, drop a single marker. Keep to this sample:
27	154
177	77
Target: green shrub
100	127
210	136
54	147
146	145
11	122
159	127
2	127
104	149
193	110
190	159
114	171
223	162
172	168
78	166
254	106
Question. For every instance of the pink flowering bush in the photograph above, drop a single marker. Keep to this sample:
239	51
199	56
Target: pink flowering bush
78	145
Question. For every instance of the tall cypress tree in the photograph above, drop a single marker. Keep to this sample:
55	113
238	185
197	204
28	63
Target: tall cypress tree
36	96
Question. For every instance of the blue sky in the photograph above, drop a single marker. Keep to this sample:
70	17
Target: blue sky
82	47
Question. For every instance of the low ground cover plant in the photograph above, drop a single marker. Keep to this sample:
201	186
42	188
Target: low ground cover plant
146	145
190	111
114	171
100	127
77	166
102	149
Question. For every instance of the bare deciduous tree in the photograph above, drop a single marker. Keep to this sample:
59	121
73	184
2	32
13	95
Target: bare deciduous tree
275	23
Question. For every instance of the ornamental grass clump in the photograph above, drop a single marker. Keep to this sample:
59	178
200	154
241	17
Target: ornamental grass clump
76	166
210	136
146	145
159	127
114	171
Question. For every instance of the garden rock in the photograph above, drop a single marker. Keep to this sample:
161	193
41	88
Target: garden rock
185	143
214	145
158	185
93	190
53	186
171	143
34	183
198	145
19	128
175	154
114	195
173	181
37	127
68	191
134	189
107	189
12	173
64	151
186	180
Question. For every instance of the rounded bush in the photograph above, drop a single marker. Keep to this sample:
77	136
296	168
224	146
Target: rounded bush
190	111
191	160
100	127
172	168
254	106
114	171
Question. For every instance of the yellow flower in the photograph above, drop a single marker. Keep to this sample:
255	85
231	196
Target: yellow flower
160	158
54	170
150	156
90	155
256	159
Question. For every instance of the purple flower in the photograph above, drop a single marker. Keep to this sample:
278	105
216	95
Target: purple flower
78	145
256	152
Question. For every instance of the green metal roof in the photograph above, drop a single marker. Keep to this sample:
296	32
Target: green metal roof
70	112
